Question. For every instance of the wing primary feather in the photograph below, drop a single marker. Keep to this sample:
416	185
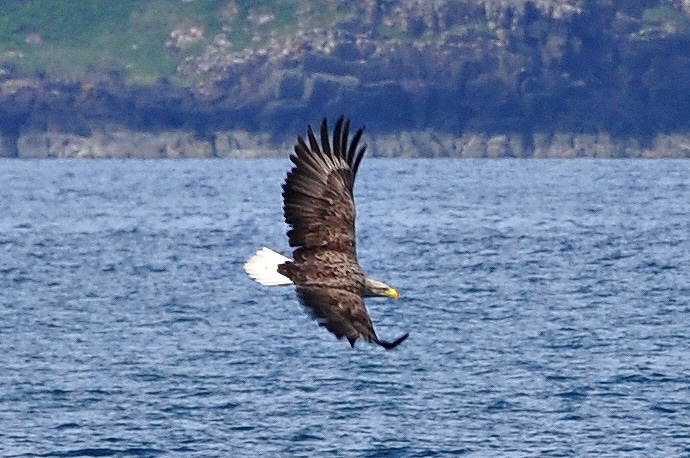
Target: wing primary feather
325	141
358	159
337	139
353	153
355	141
312	141
343	143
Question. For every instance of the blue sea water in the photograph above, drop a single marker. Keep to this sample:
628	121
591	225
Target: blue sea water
547	304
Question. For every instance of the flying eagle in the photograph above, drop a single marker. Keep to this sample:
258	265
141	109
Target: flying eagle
319	207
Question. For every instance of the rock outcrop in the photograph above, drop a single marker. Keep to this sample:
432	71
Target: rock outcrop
486	78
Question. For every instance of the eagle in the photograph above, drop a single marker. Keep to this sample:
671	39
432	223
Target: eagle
319	208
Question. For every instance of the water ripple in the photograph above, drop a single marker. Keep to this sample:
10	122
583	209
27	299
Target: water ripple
547	305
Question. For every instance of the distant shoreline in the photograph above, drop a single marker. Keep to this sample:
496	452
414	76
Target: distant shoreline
119	143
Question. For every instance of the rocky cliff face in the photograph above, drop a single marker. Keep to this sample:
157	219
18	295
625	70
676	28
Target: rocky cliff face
443	78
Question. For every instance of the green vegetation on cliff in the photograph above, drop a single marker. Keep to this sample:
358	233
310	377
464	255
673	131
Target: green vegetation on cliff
70	40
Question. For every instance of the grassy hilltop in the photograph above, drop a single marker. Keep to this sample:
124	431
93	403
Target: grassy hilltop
69	40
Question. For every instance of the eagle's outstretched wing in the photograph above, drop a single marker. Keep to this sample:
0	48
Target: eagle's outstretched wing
318	202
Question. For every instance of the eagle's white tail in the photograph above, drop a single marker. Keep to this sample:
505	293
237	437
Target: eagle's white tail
263	267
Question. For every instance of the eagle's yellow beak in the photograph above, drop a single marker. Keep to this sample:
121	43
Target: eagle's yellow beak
392	293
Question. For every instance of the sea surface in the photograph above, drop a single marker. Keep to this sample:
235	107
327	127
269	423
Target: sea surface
548	305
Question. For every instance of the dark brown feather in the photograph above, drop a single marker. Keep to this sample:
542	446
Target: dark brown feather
341	312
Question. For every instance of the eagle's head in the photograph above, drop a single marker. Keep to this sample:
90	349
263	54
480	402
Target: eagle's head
375	288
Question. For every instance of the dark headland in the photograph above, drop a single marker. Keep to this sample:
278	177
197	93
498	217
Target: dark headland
462	78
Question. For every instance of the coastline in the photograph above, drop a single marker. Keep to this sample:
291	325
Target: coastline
119	143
